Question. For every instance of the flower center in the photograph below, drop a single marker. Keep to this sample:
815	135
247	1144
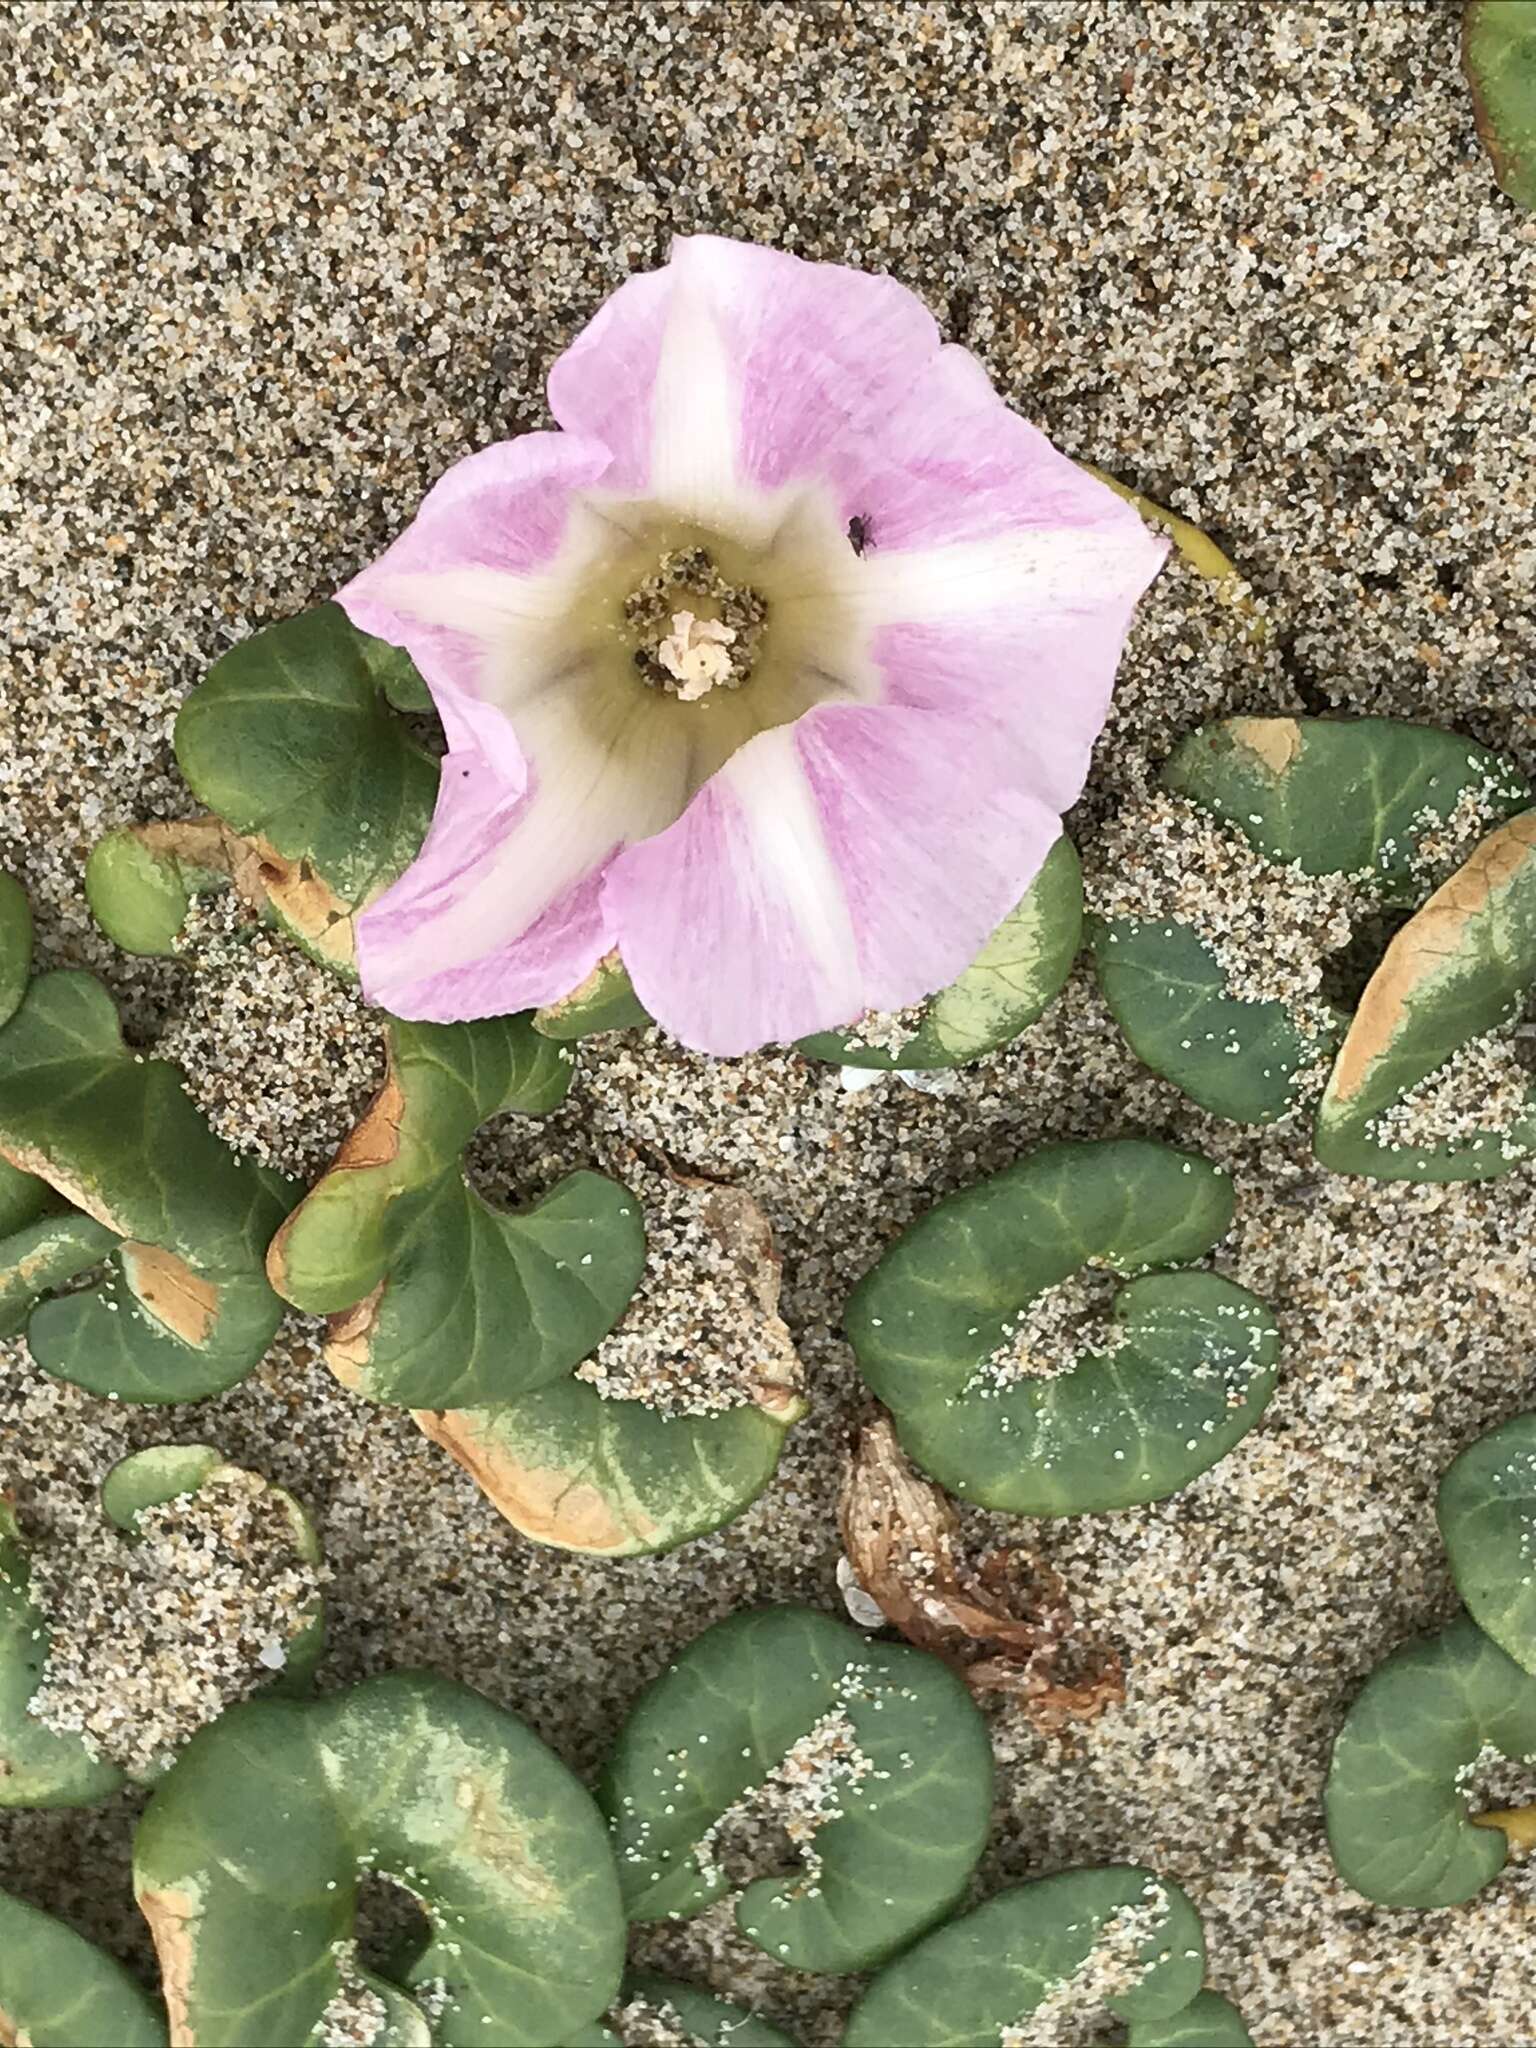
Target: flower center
693	631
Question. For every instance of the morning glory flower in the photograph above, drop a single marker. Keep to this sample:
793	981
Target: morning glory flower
773	670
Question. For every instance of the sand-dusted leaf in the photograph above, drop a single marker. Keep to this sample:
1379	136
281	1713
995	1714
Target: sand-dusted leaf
1208	2021
1017	974
988	1972
37	1767
1399	1823
166	1472
1370	799
1004	1624
1487	1510
58	1990
596	1471
784	1727
1498	54
436	1299
292	741
605	1001
15	945
1428	1084
248	1861
185	1310
1160	1386
648	2004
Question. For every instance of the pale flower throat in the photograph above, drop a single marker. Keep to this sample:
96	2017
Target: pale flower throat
692	631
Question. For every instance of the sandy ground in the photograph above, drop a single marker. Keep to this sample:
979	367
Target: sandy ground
267	269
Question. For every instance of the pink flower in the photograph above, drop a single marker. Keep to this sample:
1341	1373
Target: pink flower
775	669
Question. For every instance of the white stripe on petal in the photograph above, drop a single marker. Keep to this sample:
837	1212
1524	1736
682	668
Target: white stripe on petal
790	853
607	768
695	420
1059	569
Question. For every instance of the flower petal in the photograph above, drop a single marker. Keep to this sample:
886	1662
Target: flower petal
502	909
843	864
486	545
729	373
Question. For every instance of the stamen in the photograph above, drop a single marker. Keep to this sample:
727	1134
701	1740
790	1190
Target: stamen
695	653
692	631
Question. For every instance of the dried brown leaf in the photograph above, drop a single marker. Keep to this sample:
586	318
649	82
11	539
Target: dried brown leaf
1003	1623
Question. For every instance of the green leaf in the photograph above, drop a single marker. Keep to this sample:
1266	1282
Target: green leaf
1168	993
1190	1378
605	1001
909	1822
988	1971
15	945
44	1255
292	741
613	1478
1398	1823
1487	1510
438	1300
23	1198
707	2021
1015	977
140	891
37	1767
1208	2021
1498	54
57	1990
1362	797
186	1310
248	1860
1460	969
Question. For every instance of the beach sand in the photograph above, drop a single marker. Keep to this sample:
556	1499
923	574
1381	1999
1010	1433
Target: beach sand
266	270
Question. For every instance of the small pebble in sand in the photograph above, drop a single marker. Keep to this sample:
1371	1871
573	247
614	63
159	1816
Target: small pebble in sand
151	1637
260	1025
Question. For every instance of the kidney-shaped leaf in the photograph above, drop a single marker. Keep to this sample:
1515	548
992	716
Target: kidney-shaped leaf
870	1760
250	1854
292	740
1189	1372
1398	1821
1120	1936
436	1299
186	1309
1365	798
